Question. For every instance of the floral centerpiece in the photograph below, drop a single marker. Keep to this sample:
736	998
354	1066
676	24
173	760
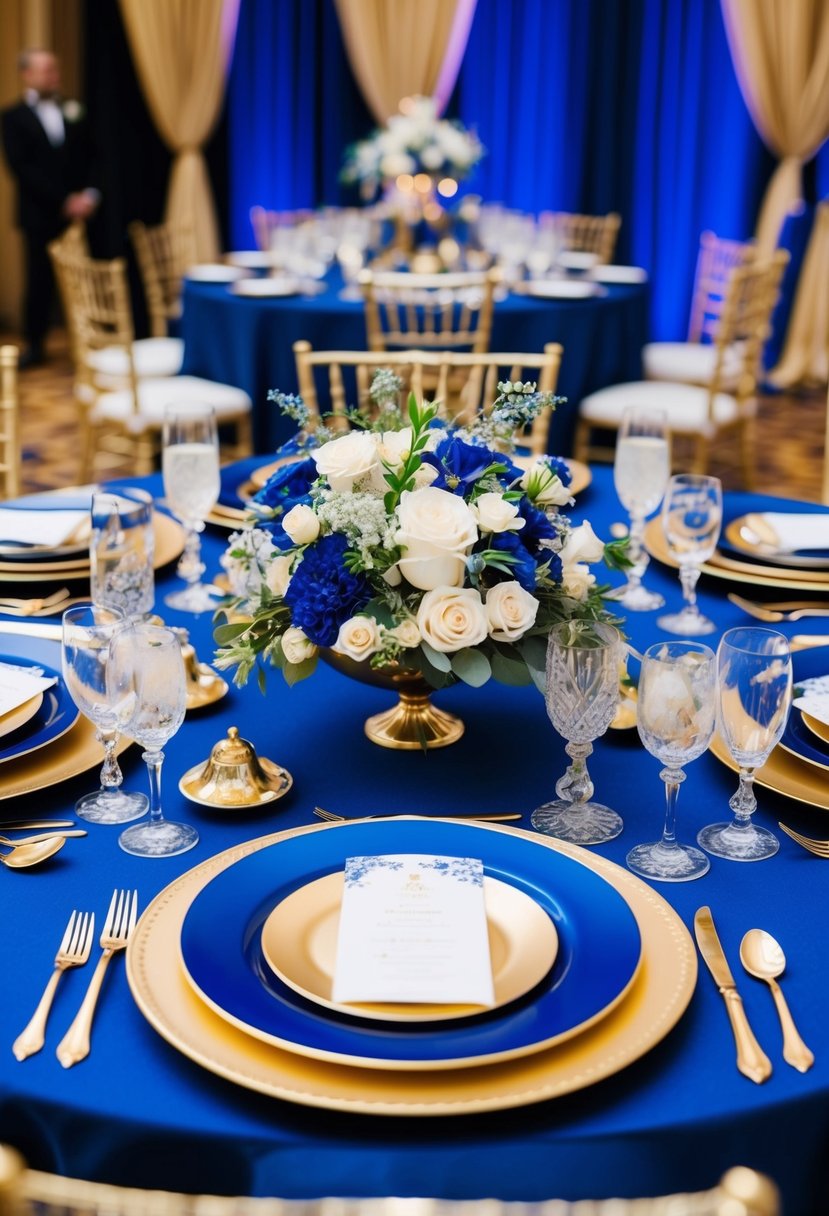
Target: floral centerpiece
416	550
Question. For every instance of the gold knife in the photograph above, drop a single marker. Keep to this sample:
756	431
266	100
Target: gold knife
751	1059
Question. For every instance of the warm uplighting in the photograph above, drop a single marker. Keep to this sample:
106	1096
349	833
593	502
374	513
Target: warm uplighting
432	212
422	183
404	183
447	186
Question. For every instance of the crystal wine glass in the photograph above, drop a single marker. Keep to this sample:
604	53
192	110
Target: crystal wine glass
152	712
692	518
676	712
97	679
190	463
583	660
754	671
640	474
122	551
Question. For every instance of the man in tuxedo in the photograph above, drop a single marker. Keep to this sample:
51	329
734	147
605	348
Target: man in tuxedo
49	154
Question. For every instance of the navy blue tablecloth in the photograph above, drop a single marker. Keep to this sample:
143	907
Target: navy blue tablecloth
248	342
137	1111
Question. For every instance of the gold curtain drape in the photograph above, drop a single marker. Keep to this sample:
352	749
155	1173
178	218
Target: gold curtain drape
182	51
805	358
400	48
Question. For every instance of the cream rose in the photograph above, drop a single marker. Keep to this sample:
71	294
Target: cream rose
437	530
296	647
450	618
301	524
510	611
576	580
395	445
582	545
359	637
495	514
424	476
279	575
406	633
543	485
351	458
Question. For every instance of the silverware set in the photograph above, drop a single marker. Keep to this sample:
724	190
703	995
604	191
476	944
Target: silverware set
783	610
74	951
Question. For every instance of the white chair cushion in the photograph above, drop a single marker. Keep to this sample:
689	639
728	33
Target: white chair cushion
689	362
154	396
685	405
152	357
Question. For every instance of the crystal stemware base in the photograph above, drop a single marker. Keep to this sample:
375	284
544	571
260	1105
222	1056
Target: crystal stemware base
111	806
160	839
197	598
738	842
689	623
577	822
637	598
668	862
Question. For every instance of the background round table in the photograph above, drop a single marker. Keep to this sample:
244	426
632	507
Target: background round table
138	1112
248	342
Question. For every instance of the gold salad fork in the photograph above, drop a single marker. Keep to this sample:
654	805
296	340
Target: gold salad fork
73	952
330	817
820	848
120	922
788	610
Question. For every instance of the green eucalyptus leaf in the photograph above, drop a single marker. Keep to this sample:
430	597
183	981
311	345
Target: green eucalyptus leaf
437	658
509	670
471	666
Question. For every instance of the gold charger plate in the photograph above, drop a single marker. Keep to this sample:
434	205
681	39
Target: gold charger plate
20	716
74	752
736	571
754	522
169	544
784	773
818	728
657	999
299	942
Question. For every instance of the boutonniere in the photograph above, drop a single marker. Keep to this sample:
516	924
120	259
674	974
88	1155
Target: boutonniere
73	111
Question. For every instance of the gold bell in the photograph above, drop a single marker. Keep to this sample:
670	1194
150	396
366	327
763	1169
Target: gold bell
234	776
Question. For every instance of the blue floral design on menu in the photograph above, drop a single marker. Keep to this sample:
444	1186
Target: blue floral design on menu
356	868
462	869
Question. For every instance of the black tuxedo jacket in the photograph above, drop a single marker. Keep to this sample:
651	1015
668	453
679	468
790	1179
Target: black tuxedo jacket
45	174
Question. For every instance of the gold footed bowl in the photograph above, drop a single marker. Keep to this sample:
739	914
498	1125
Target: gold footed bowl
414	723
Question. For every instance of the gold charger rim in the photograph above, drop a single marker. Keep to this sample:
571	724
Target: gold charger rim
818	728
784	773
15	718
659	997
76	751
787	560
169	544
516	976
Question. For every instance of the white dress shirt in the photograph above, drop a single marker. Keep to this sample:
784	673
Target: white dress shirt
50	116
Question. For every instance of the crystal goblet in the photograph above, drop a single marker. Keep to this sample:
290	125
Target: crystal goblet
692	518
190	464
640	474
122	551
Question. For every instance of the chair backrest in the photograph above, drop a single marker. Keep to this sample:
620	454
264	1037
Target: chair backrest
584	233
9	424
744	323
434	311
164	254
716	260
73	239
465	383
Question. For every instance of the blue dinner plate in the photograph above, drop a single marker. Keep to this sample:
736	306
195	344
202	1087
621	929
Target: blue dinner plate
599	948
55	716
735	505
806	664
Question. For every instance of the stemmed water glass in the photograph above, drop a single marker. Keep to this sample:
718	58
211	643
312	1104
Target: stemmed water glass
640	474
754	672
122	551
151	712
190	463
691	518
97	679
676	711
582	694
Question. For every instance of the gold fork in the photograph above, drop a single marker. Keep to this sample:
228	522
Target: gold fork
73	952
791	610
120	922
330	817
820	848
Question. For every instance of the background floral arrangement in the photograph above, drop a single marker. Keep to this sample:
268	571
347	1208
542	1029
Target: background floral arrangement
410	542
416	141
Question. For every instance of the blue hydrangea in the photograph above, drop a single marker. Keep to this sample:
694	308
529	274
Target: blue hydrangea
556	570
524	567
288	485
323	593
561	467
537	526
461	464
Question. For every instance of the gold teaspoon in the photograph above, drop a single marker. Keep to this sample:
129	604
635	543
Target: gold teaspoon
763	957
31	854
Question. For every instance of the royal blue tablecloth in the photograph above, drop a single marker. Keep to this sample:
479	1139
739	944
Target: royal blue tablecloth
136	1111
248	342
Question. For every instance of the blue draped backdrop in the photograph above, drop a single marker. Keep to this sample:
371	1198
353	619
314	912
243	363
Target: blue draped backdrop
583	105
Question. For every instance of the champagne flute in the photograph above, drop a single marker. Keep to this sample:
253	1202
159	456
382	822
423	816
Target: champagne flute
152	711
582	694
122	551
97	678
754	671
676	711
190	463
692	518
640	474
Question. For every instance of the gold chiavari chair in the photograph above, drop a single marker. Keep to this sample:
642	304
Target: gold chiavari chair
727	402
428	311
740	1192
464	383
9	424
122	415
164	253
584	233
692	361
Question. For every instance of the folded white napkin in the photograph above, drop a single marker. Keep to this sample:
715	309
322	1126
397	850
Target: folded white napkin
796	531
19	684
619	274
25	526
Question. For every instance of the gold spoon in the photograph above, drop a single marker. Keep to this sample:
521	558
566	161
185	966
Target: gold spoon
763	957
31	854
18	844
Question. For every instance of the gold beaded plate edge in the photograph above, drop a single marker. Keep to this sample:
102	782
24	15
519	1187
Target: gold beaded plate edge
656	1000
784	773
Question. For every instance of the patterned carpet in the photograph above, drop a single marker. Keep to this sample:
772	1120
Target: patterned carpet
790	436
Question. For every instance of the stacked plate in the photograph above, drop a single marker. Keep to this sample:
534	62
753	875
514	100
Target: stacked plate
233	965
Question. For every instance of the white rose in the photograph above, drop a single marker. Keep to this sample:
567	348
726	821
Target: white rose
576	581
279	574
437	530
392	576
495	514
582	545
544	487
359	637
510	610
351	458
424	476
395	445
296	647
406	633
450	618
301	524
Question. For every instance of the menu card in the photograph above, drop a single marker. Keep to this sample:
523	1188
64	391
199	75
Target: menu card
812	697
19	684
413	928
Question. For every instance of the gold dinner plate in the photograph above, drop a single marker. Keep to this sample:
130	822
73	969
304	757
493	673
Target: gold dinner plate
21	715
169	544
74	752
655	1002
785	774
736	571
766	545
299	942
821	729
